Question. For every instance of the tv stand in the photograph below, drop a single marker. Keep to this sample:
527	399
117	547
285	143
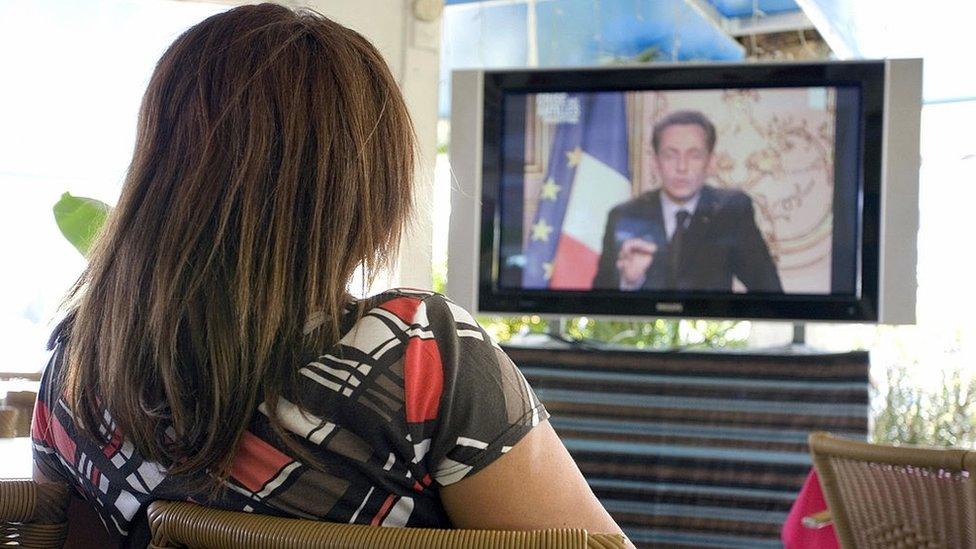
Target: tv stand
555	337
799	333
556	327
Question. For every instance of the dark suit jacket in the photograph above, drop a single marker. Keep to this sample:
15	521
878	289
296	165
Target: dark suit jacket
722	241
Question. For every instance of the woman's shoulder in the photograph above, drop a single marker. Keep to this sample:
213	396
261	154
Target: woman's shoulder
395	297
403	294
403	316
414	307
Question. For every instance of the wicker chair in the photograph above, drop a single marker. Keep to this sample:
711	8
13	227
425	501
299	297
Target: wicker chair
888	496
32	514
23	402
177	524
8	421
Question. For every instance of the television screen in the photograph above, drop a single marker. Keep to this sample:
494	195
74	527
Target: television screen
719	190
757	190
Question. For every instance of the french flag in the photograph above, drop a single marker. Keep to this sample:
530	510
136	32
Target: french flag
588	174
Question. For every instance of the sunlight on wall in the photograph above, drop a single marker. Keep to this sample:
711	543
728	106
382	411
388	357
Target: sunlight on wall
945	336
69	108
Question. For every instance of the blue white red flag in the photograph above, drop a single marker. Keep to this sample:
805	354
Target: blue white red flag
588	174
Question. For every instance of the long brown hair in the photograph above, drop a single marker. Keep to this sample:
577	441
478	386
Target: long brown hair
274	157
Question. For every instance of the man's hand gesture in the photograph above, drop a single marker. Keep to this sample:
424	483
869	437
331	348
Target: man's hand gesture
635	257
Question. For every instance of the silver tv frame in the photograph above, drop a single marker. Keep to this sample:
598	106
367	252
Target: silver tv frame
898	216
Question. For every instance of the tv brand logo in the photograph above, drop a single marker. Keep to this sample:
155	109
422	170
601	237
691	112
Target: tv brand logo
669	307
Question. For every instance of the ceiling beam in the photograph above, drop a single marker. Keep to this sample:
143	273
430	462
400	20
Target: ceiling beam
834	38
767	24
747	25
710	14
483	3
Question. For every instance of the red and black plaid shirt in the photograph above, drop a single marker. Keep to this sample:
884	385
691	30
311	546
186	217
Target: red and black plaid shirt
414	396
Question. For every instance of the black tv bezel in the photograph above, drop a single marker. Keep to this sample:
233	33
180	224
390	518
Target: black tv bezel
868	76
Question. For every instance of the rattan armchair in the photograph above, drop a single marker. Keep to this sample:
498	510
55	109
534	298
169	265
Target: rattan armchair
888	496
33	514
178	524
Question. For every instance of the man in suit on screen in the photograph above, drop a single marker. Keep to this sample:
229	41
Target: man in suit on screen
687	235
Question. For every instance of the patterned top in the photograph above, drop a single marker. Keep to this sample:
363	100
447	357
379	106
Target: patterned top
414	396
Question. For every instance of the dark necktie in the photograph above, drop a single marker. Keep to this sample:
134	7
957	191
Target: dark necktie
677	239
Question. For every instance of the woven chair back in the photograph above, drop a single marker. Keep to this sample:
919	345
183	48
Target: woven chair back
8	421
888	496
23	402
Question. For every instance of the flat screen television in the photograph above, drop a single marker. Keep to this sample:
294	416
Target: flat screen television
764	190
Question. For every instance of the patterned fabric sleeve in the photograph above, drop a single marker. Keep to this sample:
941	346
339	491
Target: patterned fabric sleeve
47	434
485	405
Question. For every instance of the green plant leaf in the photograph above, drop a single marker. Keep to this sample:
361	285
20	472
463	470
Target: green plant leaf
80	219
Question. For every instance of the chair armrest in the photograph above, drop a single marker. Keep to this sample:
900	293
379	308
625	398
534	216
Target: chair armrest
33	514
817	521
605	541
180	524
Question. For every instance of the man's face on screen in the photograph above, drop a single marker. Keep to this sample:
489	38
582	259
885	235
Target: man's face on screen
682	159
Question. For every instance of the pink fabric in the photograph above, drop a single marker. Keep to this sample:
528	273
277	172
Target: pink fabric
810	500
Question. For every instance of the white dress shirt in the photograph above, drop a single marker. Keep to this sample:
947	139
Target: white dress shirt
670	209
